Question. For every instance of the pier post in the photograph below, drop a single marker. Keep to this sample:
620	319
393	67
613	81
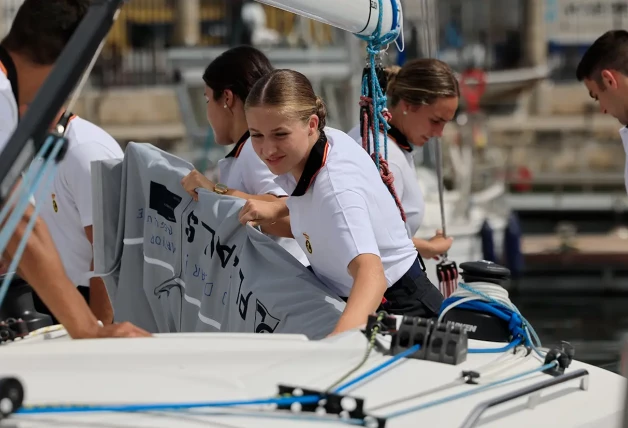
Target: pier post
188	28
535	50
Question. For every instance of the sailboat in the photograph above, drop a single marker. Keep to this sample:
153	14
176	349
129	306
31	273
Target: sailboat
471	365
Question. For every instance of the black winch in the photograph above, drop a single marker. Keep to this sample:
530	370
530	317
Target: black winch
481	325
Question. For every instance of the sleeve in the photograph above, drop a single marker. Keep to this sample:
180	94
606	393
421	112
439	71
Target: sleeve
398	178
256	177
77	176
350	232
8	119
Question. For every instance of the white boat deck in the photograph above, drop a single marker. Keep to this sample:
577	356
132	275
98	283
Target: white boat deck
209	367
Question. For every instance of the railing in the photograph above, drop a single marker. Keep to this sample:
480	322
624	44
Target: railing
534	391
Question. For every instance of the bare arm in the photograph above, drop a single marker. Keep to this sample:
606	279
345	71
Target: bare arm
423	247
99	301
433	247
369	286
42	268
267	197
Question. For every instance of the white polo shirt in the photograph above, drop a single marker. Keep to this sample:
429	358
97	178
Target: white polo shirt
623	132
9	114
243	170
341	208
67	203
401	164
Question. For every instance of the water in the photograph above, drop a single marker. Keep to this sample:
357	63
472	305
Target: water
594	324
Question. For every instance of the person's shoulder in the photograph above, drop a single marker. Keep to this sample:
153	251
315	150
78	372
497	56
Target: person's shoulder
355	133
87	136
347	164
8	105
341	140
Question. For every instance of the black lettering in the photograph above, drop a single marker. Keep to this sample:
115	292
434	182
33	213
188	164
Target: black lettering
236	260
264	321
213	232
163	201
222	250
243	302
190	231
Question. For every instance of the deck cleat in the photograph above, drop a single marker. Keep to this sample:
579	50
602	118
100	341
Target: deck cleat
343	406
562	355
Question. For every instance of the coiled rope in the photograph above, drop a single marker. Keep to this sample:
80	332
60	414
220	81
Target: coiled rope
493	299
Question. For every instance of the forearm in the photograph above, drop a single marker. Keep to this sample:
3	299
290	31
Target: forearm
423	247
267	197
41	267
279	228
366	295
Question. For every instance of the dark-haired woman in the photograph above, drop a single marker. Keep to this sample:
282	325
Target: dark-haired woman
228	80
341	213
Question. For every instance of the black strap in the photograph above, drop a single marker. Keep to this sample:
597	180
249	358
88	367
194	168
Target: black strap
313	164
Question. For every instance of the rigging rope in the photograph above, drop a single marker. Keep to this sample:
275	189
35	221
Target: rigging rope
470	392
493	299
26	189
373	101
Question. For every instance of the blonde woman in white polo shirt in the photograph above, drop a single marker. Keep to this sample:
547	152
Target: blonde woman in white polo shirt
341	213
228	80
422	99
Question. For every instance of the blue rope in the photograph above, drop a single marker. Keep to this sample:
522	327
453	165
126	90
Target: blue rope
7	232
377	369
31	181
519	327
506	348
307	399
468	393
376	42
186	406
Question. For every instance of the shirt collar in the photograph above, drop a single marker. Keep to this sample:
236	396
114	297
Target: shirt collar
314	163
235	152
400	139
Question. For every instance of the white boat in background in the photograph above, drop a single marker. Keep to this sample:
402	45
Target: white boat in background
472	202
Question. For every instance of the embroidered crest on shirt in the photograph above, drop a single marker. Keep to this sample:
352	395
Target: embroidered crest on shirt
54	203
308	245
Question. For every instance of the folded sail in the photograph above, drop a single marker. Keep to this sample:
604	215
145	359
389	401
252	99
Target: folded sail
171	264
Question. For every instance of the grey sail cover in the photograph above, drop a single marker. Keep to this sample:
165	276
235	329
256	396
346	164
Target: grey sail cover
171	264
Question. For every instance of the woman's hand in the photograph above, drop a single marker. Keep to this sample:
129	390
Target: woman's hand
259	213
124	329
438	245
193	181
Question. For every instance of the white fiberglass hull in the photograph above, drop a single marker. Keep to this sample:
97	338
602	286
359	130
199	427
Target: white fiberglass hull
208	367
